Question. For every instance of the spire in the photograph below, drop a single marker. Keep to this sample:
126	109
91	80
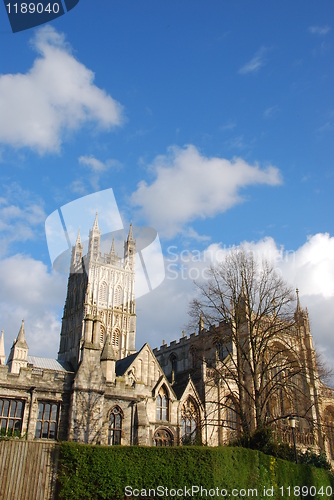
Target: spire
130	237
96	224
2	349
298	308
21	339
78	242
112	250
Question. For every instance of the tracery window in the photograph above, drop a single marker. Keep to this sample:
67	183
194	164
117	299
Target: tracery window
11	415
163	437
47	421
118	296
162	405
102	331
115	337
115	426
231	416
103	292
173	360
189	422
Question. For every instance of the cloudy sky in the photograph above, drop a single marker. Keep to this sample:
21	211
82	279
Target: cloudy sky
211	121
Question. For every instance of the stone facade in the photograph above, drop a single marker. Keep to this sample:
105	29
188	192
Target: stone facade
101	390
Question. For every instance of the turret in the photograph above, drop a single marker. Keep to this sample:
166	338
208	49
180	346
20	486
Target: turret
301	317
18	355
108	360
76	253
130	249
94	241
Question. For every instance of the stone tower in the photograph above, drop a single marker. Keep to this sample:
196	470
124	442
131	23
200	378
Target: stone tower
101	288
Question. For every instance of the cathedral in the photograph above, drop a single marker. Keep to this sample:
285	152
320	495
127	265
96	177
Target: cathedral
101	390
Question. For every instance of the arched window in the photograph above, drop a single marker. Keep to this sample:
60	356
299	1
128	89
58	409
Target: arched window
115	337
118	296
193	357
162	405
103	292
115	426
173	361
231	416
163	437
102	332
189	422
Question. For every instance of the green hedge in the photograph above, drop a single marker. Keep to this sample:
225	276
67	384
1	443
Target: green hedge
97	472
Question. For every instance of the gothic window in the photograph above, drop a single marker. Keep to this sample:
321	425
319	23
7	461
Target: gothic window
231	416
193	355
47	421
115	337
163	437
11	414
189	422
173	361
115	426
118	296
102	336
103	292
162	405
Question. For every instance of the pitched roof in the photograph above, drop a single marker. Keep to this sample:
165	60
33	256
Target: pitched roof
49	364
123	364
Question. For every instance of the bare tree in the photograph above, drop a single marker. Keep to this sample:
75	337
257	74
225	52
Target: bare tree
257	369
325	371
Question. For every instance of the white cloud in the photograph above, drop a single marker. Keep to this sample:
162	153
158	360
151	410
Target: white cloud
255	63
319	30
29	292
55	95
21	216
269	112
189	185
98	167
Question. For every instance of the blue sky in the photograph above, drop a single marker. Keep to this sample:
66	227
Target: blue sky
212	121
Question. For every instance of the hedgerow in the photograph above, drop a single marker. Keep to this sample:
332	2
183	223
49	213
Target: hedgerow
98	472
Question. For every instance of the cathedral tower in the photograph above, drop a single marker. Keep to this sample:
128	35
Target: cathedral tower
101	288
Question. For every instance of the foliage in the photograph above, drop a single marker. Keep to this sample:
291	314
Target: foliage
315	459
10	434
262	440
97	472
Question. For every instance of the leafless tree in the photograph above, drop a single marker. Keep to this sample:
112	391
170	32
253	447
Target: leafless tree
256	368
87	414
325	371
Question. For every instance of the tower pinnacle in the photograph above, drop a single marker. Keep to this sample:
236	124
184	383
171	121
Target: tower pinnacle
298	308
78	242
130	237
96	224
2	349
21	339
